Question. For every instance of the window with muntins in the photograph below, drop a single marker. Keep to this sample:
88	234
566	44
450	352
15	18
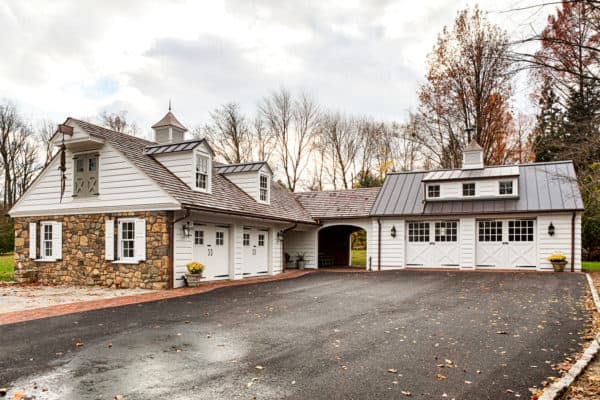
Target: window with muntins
85	175
418	231
468	189
246	240
201	172
490	231
47	241
220	238
261	240
520	230
264	188
199	237
127	239
433	190
446	231
505	187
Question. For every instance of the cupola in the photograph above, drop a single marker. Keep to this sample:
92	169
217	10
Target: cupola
169	129
473	156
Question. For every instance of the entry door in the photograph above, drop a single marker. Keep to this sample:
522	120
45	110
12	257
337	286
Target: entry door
432	244
506	244
211	248
256	260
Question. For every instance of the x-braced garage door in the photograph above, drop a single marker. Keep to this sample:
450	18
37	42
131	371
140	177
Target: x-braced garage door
506	243
432	244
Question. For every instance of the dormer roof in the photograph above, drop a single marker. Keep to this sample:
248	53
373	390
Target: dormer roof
173	147
169	120
473	146
243	167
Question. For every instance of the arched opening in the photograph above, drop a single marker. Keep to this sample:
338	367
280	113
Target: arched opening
342	246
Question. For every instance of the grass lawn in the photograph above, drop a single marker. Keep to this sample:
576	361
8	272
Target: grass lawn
7	267
359	258
590	265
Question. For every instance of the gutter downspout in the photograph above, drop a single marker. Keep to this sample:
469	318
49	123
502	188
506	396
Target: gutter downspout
573	241
378	244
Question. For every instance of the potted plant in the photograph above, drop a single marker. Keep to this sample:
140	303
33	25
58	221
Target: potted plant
558	261
194	277
300	261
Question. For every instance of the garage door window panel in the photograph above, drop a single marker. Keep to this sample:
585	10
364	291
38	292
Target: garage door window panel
446	231
199	237
418	232
520	231
490	231
261	240
219	239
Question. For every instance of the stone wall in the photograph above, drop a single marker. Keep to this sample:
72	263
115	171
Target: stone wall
83	249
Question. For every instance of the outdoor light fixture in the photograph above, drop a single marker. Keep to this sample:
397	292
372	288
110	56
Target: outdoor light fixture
551	229
393	232
186	230
280	236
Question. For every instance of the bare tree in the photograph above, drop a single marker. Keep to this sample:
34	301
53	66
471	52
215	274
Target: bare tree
117	121
45	131
262	140
292	123
344	141
229	133
10	125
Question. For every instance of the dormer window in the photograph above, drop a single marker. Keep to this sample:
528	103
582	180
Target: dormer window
264	188
202	171
468	189
505	187
433	191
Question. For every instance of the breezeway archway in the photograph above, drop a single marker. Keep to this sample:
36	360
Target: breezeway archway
337	243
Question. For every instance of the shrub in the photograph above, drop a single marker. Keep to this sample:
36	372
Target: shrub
195	267
557	257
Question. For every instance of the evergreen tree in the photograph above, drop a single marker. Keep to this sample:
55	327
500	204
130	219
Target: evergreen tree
549	125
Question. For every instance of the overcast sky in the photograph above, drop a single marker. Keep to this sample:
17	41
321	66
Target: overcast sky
75	58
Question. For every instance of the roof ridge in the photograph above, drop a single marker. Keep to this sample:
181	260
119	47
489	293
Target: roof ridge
337	190
127	135
487	166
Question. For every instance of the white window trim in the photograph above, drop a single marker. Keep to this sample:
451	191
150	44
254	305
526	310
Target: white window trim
209	172
119	258
439	191
268	200
42	257
512	182
462	188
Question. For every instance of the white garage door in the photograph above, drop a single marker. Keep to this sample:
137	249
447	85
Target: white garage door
432	244
211	248
256	257
507	243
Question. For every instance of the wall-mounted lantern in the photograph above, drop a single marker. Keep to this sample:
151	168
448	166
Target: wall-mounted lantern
551	229
280	236
393	231
187	231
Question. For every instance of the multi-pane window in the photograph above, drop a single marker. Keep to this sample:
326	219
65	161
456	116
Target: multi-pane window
201	172
47	241
127	239
520	230
85	175
199	237
468	189
433	190
261	239
446	231
418	231
219	238
246	240
264	188
505	187
490	231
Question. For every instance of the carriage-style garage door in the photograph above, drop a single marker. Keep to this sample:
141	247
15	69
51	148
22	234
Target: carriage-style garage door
256	257
432	244
506	243
211	248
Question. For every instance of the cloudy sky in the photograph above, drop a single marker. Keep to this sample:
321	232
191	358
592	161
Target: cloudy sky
75	58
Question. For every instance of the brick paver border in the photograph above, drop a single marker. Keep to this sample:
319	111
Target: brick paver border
70	308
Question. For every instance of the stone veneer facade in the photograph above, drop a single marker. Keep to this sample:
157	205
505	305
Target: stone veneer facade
83	249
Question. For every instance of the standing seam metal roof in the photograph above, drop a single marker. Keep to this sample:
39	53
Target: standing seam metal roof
549	187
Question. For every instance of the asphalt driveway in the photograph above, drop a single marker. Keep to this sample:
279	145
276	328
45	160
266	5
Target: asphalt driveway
324	336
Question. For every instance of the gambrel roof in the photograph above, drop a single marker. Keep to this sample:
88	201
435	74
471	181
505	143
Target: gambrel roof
225	197
543	187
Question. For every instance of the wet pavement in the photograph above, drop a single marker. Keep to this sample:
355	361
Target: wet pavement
328	335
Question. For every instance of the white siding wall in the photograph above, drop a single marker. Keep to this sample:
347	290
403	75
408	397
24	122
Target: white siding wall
247	181
180	163
237	233
466	229
302	242
121	186
561	241
182	253
276	252
483	188
392	249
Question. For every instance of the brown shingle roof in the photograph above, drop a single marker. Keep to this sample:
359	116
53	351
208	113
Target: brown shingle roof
169	120
226	197
339	203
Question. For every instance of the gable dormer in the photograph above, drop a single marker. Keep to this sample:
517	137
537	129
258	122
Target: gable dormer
253	178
